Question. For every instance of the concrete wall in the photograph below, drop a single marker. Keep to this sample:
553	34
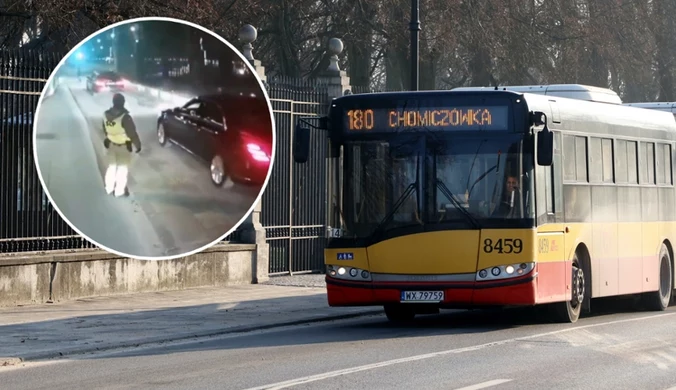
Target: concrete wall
38	278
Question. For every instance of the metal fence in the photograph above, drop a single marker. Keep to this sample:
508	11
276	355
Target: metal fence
27	221
293	206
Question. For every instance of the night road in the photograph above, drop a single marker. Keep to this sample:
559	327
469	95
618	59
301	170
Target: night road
506	350
173	209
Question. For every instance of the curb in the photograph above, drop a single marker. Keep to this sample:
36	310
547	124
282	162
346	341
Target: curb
9	361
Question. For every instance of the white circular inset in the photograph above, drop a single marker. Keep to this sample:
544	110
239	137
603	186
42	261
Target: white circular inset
207	138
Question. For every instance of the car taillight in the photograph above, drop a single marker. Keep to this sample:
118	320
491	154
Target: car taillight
257	153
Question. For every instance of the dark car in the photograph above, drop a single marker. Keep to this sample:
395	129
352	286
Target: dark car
106	81
233	134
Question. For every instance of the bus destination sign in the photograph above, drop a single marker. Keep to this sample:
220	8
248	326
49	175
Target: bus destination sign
426	118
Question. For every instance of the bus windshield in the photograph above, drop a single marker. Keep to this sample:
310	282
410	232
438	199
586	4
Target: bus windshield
414	182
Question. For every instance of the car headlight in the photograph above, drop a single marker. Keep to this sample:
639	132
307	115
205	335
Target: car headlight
504	271
348	273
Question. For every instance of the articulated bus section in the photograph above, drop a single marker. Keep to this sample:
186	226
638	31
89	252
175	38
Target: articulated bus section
500	267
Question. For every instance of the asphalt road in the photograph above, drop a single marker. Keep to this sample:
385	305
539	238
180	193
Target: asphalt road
173	208
500	350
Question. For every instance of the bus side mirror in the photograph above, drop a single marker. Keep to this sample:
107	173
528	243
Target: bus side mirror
301	144
545	140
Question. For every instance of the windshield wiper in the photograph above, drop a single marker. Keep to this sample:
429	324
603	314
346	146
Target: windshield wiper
472	220
400	201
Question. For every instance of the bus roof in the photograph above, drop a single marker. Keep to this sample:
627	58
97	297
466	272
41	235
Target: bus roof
571	91
574	114
660	106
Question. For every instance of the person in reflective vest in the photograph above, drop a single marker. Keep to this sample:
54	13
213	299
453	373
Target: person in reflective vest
120	133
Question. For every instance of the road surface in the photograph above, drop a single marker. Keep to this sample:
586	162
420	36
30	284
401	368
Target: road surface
173	209
501	350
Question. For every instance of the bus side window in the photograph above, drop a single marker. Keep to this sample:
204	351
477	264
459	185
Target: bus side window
549	188
668	163
621	162
647	163
555	195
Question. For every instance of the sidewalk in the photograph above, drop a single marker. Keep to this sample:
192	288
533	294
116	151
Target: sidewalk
95	324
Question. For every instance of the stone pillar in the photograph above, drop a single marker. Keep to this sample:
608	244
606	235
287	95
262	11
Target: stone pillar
252	231
337	84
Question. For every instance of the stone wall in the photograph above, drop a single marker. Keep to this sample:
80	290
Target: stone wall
38	278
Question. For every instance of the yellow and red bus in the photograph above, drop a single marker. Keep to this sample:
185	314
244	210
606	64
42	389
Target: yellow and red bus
484	197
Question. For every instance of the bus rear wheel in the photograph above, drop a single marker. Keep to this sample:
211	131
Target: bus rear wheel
659	300
399	312
569	311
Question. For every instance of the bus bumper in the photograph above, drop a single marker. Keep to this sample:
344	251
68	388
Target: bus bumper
516	292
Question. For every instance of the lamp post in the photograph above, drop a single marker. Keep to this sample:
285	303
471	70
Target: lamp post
113	50
414	27
137	61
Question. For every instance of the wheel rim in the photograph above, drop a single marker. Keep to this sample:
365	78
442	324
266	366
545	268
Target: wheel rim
578	286
160	133
217	170
665	278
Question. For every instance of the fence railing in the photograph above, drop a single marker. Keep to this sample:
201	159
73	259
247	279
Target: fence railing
27	221
294	203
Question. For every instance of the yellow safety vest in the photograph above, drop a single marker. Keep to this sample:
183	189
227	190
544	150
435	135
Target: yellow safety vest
114	130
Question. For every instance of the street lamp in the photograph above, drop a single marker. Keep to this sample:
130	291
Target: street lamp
414	27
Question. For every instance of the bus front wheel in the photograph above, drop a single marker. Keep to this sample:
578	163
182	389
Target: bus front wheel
399	312
569	311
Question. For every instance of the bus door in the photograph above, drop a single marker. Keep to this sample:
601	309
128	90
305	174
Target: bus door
550	244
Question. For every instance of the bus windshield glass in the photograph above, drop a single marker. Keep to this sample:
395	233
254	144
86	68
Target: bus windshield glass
421	181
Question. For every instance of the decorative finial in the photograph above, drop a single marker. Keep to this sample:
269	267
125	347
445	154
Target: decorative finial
335	48
248	35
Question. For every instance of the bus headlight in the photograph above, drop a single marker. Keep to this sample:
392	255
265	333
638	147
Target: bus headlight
504	271
348	273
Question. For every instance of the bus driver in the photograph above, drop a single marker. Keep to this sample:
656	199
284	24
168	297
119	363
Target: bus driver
507	208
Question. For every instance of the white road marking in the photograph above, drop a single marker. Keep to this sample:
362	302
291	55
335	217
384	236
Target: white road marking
486	384
333	374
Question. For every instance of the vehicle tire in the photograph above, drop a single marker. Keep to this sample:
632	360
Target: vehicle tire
399	313
659	300
161	134
217	170
569	311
